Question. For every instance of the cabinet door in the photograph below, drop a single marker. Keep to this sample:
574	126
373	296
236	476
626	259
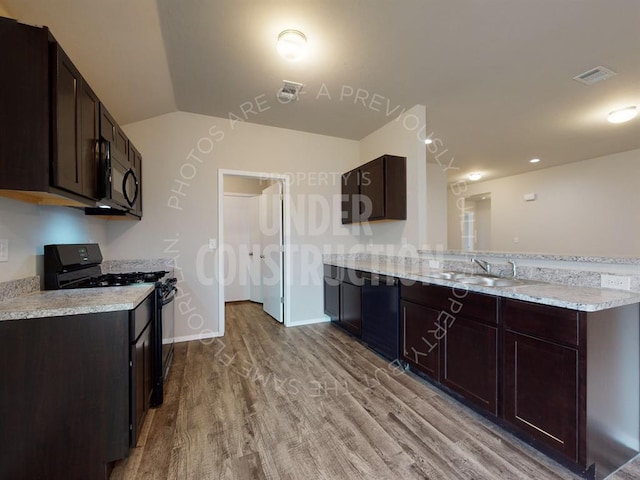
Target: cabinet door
141	382
418	338
75	153
67	164
25	107
89	134
541	391
332	297
372	190
469	362
351	308
112	132
395	184
350	197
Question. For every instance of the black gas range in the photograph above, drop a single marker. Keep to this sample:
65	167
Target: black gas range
69	266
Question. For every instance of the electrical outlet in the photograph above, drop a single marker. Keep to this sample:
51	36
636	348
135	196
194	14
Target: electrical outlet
619	282
4	250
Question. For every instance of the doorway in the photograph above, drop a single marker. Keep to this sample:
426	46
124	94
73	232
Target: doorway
476	223
267	259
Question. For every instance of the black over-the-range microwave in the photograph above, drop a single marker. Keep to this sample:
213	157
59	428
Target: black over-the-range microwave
119	183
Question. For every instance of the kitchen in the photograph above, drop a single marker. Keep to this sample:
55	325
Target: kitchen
170	138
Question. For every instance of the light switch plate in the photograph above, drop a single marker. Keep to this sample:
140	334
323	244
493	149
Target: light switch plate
4	249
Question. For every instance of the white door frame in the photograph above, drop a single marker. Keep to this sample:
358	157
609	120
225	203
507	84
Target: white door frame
286	229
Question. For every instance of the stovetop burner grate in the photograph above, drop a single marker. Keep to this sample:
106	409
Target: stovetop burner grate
121	279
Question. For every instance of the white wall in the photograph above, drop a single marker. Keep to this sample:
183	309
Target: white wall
403	136
436	226
4	12
483	224
178	174
583	208
29	227
233	184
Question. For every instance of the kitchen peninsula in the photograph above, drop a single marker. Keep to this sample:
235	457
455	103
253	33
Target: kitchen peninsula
557	365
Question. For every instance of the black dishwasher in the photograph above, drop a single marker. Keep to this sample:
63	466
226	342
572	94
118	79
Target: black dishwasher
381	314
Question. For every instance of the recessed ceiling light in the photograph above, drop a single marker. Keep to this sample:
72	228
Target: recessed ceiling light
292	45
474	176
428	141
534	160
623	115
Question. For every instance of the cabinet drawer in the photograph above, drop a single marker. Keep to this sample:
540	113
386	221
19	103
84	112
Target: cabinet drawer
453	300
550	323
330	271
141	316
351	276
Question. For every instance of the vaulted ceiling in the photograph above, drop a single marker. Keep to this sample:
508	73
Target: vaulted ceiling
494	75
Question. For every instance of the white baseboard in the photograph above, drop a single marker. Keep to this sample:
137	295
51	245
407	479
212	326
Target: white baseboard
310	321
199	336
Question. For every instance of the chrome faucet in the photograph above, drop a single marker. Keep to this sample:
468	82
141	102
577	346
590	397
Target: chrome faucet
483	264
514	268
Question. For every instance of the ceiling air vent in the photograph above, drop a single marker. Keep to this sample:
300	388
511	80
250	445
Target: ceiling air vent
594	75
289	91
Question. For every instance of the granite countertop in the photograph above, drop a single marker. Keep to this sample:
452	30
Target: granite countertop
585	299
54	303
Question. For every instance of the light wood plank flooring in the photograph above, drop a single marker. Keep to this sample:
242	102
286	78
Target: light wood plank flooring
269	402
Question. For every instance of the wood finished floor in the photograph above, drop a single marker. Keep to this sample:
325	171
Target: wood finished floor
269	402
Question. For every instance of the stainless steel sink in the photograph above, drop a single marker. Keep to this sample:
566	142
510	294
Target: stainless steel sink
488	281
443	275
477	279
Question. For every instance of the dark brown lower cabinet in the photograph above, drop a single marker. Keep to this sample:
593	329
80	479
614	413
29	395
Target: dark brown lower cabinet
451	336
74	391
351	308
470	362
524	365
64	396
541	391
141	385
331	298
141	367
343	298
418	343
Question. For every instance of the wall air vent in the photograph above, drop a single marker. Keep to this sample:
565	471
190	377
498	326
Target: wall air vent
289	91
594	75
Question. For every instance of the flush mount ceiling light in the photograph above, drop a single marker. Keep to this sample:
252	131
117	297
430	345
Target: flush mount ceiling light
292	45
623	115
534	160
474	177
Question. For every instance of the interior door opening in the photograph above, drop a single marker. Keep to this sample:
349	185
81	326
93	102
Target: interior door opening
253	230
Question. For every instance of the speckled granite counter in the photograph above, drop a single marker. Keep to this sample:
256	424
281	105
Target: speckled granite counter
54	303
585	299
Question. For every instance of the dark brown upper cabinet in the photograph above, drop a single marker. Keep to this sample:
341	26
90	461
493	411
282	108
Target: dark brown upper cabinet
376	190
49	121
75	129
112	132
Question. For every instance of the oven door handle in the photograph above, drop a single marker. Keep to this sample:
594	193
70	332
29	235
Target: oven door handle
170	298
